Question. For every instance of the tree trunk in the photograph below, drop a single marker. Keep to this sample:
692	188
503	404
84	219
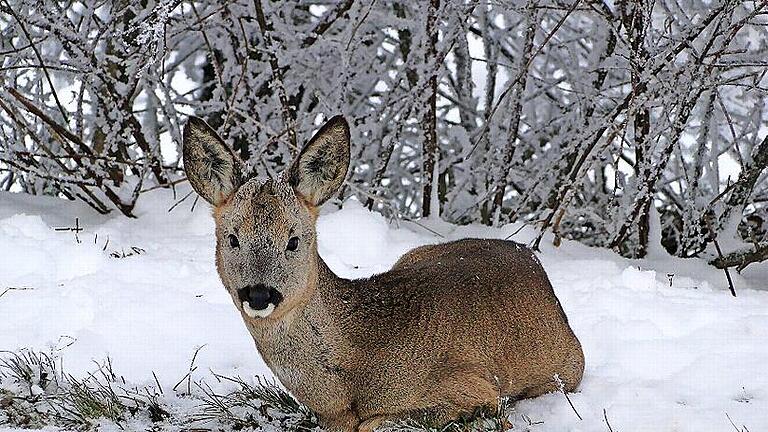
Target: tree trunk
429	120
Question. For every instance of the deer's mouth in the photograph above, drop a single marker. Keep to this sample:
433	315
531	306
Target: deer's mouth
259	300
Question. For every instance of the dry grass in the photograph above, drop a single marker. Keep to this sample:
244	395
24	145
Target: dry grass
36	392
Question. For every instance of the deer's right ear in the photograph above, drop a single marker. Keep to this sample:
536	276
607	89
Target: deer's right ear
322	165
213	170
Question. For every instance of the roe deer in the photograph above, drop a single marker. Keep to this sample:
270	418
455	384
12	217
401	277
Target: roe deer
449	328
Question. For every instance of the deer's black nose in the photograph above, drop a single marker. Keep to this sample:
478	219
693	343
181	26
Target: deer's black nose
259	296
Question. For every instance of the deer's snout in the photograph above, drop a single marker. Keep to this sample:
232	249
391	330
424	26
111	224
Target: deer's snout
259	300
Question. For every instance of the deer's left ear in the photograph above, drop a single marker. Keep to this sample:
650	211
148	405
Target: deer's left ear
321	166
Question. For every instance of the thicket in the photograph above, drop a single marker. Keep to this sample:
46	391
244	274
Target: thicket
620	124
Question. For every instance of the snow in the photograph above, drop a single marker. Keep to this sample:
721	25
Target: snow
666	346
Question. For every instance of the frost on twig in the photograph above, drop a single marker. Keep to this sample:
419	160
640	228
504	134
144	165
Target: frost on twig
561	387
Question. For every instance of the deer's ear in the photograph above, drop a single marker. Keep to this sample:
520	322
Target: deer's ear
212	168
322	164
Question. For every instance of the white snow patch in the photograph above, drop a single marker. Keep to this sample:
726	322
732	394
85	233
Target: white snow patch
666	346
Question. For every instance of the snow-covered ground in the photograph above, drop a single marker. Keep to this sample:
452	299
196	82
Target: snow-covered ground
667	348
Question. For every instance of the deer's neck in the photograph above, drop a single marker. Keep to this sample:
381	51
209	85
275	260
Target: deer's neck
305	344
326	278
319	308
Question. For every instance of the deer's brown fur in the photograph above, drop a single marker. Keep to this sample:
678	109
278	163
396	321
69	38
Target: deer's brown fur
449	328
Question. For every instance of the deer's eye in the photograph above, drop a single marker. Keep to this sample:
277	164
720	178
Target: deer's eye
293	244
233	241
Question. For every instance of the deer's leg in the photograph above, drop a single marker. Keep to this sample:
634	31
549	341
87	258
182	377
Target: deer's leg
344	421
437	415
456	396
372	423
462	395
537	390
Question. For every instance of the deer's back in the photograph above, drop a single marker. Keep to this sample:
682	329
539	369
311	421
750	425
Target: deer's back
481	306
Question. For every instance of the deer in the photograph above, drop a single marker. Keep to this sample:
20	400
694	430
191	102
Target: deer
449	328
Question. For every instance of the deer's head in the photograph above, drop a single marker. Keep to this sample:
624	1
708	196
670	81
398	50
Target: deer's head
266	243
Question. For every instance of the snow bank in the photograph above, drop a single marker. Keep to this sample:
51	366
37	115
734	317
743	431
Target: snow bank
666	346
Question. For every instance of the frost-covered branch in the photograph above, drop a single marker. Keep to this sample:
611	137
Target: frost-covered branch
584	118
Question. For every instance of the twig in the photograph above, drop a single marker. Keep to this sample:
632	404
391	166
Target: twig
173	183
157	381
561	387
61	130
179	201
725	269
243	71
326	22
110	159
744	428
194	203
515	109
188	375
184	377
741	258
516	231
720	254
40	59
277	76
605	416
425	227
194	356
358	24
15	289
211	52
76	229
